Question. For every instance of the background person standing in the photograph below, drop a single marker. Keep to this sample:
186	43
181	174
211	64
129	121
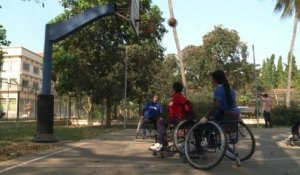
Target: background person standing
267	106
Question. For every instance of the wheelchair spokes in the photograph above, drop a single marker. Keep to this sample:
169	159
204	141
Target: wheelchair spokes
205	145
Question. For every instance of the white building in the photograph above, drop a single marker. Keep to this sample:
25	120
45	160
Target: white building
21	81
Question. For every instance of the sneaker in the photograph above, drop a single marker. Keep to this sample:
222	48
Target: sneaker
156	147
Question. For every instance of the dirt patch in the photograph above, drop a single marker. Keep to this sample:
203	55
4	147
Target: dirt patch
12	150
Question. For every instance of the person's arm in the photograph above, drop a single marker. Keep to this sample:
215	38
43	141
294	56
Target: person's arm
214	109
160	110
216	104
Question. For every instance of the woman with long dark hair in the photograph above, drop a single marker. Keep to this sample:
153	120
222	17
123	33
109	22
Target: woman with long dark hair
224	98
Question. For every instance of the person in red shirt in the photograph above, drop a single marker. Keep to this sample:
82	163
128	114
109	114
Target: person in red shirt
179	108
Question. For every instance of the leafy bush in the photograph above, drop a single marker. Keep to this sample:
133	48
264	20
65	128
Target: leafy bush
283	116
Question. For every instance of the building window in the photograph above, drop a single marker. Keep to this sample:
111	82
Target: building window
35	85
26	66
12	104
3	83
36	70
2	104
13	83
6	66
25	83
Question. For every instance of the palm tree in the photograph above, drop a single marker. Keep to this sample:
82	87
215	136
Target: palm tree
289	8
181	64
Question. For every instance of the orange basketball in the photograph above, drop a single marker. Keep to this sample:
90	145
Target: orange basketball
172	22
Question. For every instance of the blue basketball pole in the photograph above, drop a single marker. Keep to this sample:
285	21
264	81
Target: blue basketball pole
53	33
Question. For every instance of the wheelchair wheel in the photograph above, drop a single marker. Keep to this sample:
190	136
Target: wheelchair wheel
139	130
169	141
243	146
205	145
180	133
145	130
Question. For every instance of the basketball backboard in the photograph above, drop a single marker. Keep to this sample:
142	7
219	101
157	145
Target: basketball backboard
135	15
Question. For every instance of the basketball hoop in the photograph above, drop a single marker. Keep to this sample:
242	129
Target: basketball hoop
149	29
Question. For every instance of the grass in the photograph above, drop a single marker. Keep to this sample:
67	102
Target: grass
15	138
22	131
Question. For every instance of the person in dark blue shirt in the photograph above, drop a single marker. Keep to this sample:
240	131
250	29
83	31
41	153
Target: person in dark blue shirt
152	110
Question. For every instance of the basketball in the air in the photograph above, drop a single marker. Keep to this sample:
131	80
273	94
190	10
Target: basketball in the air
172	22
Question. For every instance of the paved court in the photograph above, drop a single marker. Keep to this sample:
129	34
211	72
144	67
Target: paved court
120	153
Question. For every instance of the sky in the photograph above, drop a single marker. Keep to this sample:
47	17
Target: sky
254	20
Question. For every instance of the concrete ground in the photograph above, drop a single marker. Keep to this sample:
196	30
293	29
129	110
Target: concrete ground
121	153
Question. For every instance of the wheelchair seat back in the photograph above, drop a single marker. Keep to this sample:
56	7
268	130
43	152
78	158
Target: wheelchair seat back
229	121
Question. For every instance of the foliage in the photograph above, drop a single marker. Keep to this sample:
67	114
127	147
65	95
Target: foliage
288	9
284	116
280	74
167	74
221	49
42	2
275	76
247	99
97	54
3	42
268	73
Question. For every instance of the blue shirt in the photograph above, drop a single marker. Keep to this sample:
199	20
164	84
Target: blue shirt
152	110
219	94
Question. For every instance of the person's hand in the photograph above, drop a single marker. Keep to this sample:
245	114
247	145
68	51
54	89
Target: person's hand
203	120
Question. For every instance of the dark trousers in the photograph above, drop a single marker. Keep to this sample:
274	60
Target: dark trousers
162	125
267	117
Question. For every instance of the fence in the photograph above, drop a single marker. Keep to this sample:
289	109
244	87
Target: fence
20	102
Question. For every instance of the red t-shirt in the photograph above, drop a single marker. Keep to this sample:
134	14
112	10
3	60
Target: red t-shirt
177	106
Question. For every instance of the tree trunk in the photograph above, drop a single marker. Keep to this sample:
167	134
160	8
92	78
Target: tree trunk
90	117
88	110
115	116
289	83
108	112
102	113
181	64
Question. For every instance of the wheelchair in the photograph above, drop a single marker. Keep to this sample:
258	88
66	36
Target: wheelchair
146	129
206	144
180	132
174	138
294	139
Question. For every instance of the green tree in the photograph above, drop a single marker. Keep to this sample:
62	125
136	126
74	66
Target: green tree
294	68
297	80
268	77
38	1
168	72
198	66
280	74
288	8
3	42
224	50
102	48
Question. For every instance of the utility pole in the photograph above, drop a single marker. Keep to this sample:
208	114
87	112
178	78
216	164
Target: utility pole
125	88
181	64
256	98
